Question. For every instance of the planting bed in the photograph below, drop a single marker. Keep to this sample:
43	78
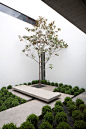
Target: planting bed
69	115
8	99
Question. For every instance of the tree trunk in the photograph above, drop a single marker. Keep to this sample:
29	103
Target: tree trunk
39	74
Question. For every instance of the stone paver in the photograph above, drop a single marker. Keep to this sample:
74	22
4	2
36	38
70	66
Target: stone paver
28	98
81	96
38	93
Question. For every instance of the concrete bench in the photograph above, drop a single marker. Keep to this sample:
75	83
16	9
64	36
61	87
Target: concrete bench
37	93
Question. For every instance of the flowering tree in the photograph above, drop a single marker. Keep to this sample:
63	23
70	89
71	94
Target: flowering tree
43	39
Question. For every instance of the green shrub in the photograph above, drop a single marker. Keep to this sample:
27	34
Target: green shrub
1	102
48	117
48	83
67	92
16	85
67	99
80	124
20	84
27	125
56	90
75	88
46	109
60	117
14	103
71	108
82	107
7	104
84	113
24	83
82	89
3	98
56	84
18	98
58	103
70	103
44	81
5	91
3	107
60	84
3	94
13	96
52	83
23	101
71	91
29	83
9	126
63	125
67	88
62	90
9	93
9	87
7	96
58	108
34	82
45	125
79	101
33	119
3	88
70	86
77	115
76	93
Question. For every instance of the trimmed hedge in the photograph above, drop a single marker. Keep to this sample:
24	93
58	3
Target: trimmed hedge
63	125
58	108
67	99
9	126
58	103
48	117
80	124
9	87
27	125
33	119
46	109
60	117
46	125
79	101
77	115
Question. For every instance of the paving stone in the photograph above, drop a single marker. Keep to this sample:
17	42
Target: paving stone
23	96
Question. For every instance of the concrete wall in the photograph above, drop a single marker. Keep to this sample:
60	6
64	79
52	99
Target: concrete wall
70	66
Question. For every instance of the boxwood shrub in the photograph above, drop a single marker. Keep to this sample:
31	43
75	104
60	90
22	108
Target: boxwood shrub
67	99
24	83
80	124
33	119
9	126
48	83
60	117
46	109
55	90
3	88
62	90
48	117
84	113
77	115
27	125
1	102
29	83
23	100
3	107
58	103
9	87
67	92
82	90
44	81
71	108
75	88
52	83
70	103
76	93
79	101
71	91
56	84
58	108
60	84
14	103
82	107
46	125
63	125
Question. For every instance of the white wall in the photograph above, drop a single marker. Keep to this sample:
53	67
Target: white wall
15	67
70	66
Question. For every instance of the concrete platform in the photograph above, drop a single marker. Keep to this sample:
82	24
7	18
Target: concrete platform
23	96
41	94
81	96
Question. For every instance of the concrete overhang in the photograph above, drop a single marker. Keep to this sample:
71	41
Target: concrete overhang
73	10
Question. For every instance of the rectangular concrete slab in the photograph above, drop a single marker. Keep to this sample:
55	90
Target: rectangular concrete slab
37	93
